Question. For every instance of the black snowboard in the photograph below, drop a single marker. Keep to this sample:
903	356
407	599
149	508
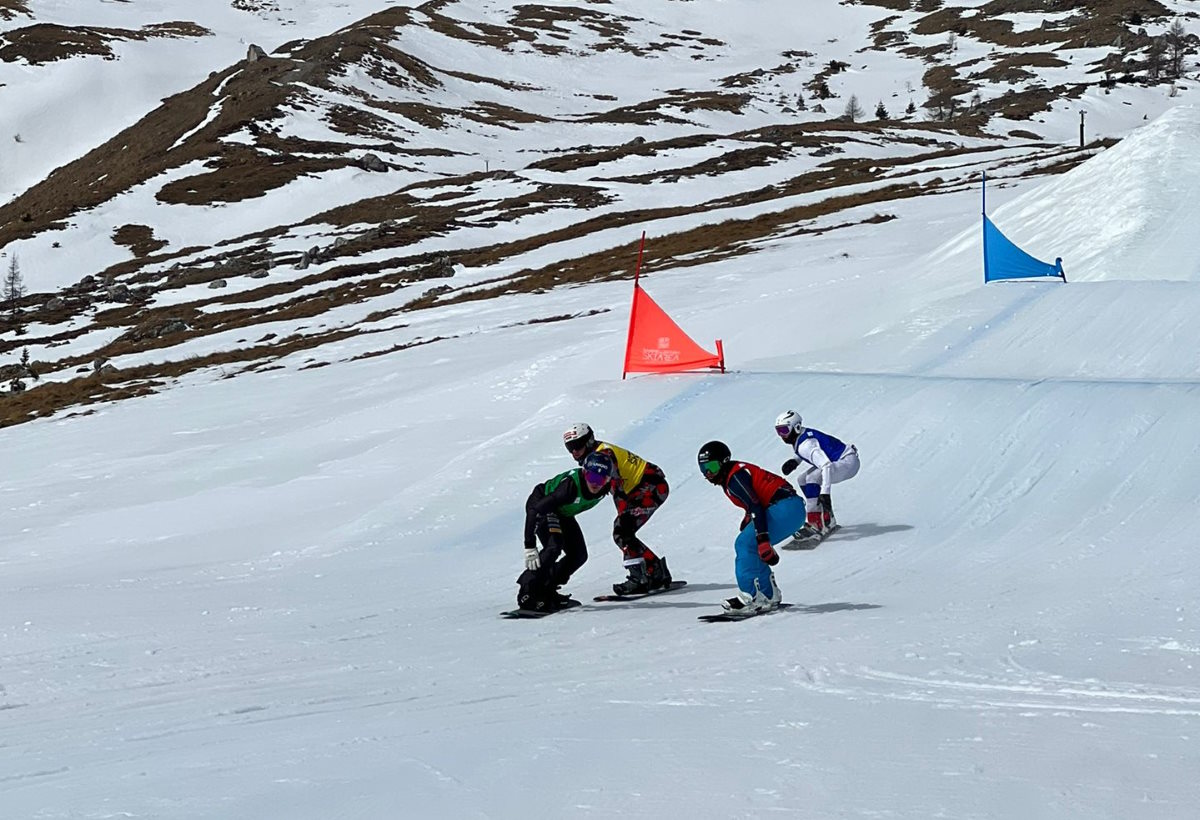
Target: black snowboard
673	586
722	617
534	613
808	543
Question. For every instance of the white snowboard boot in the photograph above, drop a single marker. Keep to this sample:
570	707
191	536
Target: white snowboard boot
745	604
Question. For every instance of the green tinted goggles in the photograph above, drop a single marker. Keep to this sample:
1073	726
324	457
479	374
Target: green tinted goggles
710	468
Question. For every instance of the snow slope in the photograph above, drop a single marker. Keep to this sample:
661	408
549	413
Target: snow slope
1137	224
276	596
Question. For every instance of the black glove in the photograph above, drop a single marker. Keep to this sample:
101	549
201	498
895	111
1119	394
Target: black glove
826	503
789	465
766	552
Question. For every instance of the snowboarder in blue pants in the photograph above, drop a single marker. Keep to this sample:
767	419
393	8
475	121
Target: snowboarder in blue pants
773	512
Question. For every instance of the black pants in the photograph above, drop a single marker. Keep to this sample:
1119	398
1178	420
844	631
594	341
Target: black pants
563	552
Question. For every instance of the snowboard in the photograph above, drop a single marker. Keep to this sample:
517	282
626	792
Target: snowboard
534	613
673	586
722	617
808	543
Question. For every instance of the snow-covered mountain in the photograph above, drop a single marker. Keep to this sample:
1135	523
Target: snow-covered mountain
314	165
253	571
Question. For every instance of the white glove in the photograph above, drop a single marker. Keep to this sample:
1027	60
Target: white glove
532	561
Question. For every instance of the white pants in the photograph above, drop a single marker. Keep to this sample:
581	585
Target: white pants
844	469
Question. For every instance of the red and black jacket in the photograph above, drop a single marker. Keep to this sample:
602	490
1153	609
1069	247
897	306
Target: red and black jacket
754	489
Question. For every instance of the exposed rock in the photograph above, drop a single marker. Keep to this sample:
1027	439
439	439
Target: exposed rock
371	162
261	273
440	268
217	283
15	372
156	329
255	53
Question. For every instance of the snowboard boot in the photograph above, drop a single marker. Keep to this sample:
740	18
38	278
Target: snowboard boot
638	582
807	533
660	576
537	602
746	604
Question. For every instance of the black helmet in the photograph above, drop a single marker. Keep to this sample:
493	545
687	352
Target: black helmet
599	468
712	458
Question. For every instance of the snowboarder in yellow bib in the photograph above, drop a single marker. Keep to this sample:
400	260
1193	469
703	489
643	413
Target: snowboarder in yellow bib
638	490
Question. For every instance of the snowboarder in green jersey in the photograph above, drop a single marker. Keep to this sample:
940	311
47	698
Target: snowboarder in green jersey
550	515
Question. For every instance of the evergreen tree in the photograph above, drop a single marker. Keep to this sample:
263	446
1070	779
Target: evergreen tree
853	111
1155	55
1176	48
13	290
881	113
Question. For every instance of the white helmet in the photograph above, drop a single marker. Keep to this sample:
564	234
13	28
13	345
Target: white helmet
579	440
789	425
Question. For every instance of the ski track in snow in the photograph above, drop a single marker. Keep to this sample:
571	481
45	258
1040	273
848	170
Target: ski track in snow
974	691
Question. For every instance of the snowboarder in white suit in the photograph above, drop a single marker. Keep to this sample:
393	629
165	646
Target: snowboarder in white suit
828	461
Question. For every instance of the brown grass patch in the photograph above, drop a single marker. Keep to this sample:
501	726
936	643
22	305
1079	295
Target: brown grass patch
1015	68
736	160
46	42
649	112
9	9
598	156
552	18
242	173
890	5
701	245
944	86
138	238
486	34
1024	105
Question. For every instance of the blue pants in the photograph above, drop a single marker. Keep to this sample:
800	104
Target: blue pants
783	518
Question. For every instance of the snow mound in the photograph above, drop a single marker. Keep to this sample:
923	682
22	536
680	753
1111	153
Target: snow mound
1122	215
